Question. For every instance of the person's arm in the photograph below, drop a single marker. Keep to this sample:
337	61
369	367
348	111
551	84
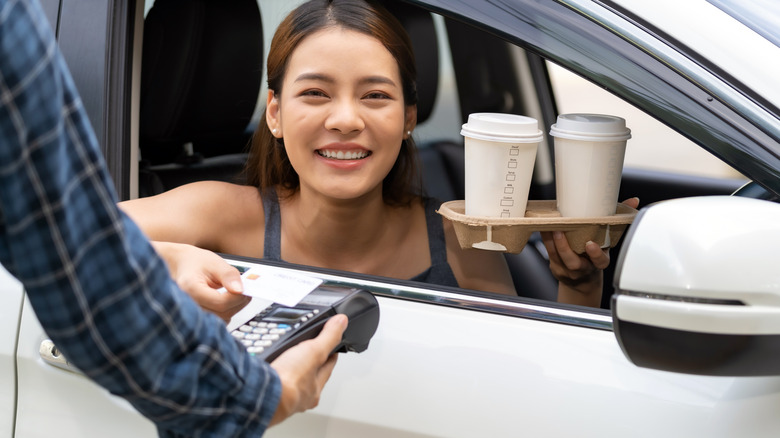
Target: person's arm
580	276
98	288
186	224
477	269
197	213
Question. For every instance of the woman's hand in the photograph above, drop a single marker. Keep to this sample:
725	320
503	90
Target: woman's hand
580	276
201	273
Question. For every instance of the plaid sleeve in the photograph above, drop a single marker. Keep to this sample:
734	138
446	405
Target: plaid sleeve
98	288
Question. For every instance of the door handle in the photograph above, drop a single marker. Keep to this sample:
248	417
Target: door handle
53	356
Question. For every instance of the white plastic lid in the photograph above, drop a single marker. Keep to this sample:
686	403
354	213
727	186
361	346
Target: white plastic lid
590	127
506	128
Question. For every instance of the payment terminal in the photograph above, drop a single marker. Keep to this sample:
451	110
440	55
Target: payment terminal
278	327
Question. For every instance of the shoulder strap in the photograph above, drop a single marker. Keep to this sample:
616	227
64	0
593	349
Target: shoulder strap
436	243
272	245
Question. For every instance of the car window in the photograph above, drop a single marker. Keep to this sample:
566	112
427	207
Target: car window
653	145
444	122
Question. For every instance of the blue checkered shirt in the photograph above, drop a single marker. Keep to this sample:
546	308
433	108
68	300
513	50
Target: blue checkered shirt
97	286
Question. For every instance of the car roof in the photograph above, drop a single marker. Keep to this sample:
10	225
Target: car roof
737	37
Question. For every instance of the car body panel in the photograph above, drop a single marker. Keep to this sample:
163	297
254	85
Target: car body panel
531	370
502	375
56	401
96	39
718	40
11	294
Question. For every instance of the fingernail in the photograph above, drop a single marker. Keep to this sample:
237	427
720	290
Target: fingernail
342	319
237	286
558	234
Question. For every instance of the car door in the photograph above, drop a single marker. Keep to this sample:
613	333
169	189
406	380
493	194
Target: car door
11	294
54	398
424	380
446	363
98	42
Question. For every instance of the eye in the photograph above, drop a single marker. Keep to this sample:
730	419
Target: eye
377	95
313	93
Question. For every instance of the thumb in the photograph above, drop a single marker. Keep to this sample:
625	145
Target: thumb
332	332
230	279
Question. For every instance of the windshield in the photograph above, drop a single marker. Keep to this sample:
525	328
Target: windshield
763	16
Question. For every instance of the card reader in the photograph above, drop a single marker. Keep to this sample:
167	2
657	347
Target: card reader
279	327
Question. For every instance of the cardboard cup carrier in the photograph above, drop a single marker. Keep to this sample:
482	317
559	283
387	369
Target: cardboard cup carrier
500	153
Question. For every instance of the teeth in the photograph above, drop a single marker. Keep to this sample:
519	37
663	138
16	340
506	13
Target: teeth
342	155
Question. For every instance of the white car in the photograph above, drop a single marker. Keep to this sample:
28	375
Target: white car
694	346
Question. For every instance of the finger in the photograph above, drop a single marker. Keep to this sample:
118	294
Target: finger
312	355
232	305
222	304
598	256
568	257
199	289
632	202
228	277
208	297
332	333
549	245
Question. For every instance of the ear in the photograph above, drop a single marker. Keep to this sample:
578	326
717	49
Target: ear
272	115
410	119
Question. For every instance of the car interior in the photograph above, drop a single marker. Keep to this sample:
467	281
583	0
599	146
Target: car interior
201	75
202	72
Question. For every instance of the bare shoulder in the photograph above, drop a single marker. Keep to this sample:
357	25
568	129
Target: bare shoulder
201	196
196	213
477	269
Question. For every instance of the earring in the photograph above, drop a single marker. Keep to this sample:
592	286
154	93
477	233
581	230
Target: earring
273	131
408	133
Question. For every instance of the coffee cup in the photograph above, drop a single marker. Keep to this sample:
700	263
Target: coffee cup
589	152
500	152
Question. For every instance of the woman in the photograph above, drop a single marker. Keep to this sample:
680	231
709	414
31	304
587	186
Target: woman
332	176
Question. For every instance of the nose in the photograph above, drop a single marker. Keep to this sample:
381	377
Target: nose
345	117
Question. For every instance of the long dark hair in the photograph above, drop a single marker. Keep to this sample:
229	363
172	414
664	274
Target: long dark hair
268	164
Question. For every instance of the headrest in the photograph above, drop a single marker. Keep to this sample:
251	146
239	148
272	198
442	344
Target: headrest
419	25
200	76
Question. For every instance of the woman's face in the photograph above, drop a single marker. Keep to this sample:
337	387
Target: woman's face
341	113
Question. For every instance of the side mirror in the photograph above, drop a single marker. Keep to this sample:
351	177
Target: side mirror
698	287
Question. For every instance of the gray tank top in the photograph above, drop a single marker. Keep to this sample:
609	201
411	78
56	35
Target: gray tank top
439	272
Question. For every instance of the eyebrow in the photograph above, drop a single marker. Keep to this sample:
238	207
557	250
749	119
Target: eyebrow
377	79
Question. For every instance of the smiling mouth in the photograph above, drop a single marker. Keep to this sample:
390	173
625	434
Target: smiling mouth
344	155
